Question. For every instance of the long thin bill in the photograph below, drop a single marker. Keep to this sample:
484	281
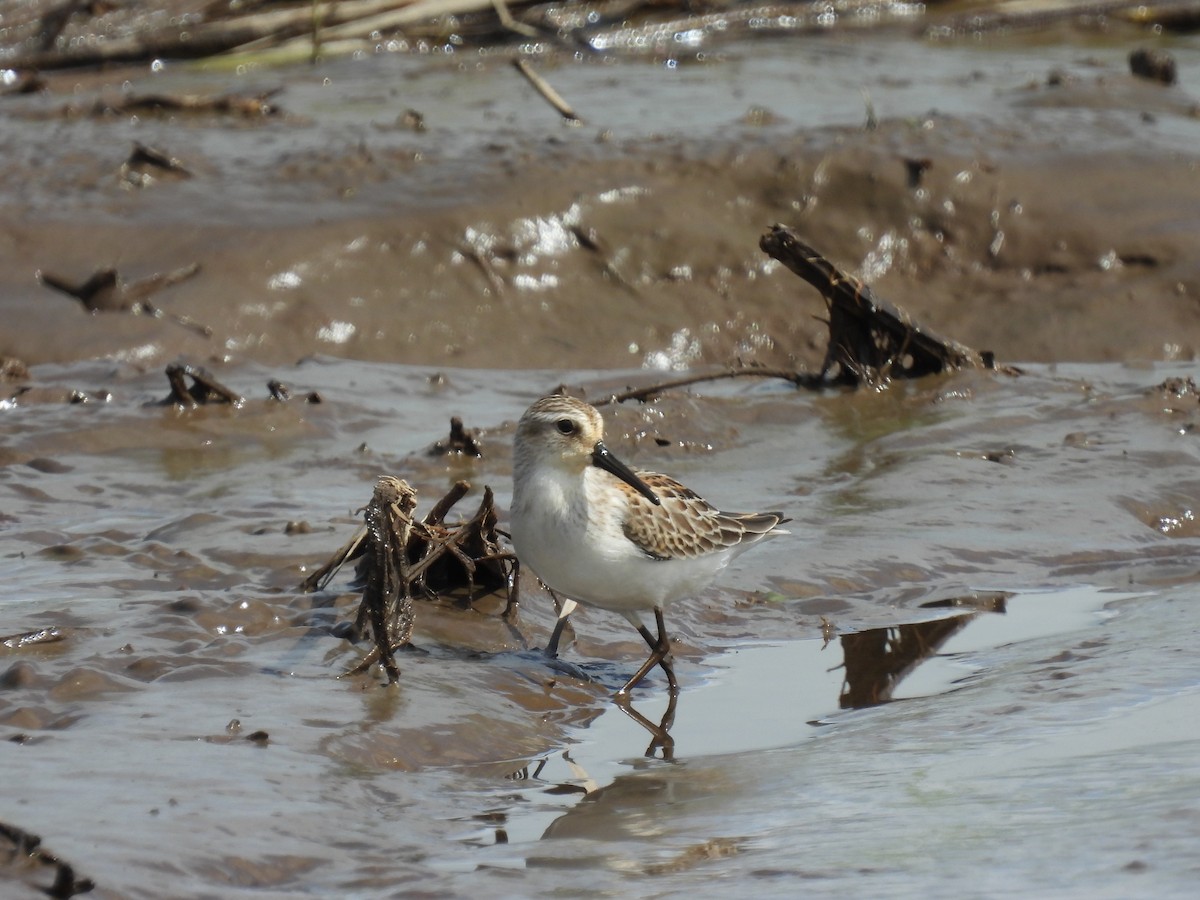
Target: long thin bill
602	458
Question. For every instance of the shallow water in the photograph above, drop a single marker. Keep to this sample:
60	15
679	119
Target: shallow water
185	736
1063	724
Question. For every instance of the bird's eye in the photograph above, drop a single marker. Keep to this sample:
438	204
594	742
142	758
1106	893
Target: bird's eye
565	426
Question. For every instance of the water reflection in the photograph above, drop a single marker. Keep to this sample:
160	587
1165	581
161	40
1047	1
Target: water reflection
878	659
744	712
660	734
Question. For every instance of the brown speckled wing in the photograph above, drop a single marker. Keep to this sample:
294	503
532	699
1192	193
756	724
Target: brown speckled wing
686	525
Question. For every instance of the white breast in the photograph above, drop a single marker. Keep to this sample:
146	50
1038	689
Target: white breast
569	531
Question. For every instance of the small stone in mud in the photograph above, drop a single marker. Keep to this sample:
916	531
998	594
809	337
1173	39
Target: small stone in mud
916	169
759	116
1059	77
261	738
1156	65
12	369
62	552
146	164
48	466
19	675
300	527
281	392
184	605
412	120
1178	387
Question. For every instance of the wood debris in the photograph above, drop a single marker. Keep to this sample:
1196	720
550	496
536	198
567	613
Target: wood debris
203	390
402	558
870	340
460	442
549	94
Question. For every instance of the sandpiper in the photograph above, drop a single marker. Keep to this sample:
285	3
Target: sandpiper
601	534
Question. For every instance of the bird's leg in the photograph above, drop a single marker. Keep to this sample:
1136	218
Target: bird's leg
566	607
660	733
660	656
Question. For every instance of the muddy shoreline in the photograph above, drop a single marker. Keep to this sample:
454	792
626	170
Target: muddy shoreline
1054	224
180	729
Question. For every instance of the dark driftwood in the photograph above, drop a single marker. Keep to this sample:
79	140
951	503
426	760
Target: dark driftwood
203	390
386	611
870	340
461	442
400	556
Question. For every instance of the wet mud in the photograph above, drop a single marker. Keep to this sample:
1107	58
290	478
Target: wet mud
943	681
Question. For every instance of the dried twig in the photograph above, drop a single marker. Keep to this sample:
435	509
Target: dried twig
386	609
550	95
507	20
649	392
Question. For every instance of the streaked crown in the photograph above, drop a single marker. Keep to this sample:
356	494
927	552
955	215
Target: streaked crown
560	429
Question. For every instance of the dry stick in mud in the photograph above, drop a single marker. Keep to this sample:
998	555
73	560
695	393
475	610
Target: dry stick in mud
400	554
549	94
386	609
870	340
204	388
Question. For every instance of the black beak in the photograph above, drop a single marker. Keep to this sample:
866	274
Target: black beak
602	458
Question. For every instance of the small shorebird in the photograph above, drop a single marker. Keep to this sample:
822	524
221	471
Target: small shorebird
603	535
